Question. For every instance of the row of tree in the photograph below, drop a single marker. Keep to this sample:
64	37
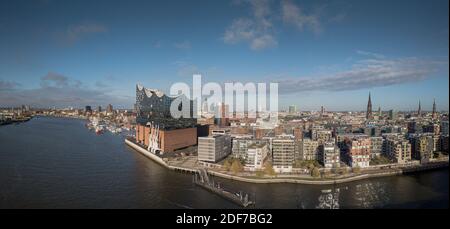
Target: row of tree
236	166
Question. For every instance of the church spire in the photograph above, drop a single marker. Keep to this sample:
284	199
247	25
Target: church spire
434	114
419	111
369	108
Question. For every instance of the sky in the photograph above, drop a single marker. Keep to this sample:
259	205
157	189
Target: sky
329	53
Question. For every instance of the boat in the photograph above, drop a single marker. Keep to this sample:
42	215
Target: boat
99	129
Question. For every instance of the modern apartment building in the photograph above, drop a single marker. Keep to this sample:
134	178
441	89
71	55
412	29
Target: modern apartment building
376	146
398	149
283	154
422	147
309	150
256	155
444	128
356	151
240	146
322	136
214	148
329	155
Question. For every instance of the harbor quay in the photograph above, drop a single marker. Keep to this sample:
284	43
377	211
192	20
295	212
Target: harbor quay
193	167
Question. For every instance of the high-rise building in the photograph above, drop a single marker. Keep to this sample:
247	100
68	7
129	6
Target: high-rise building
88	109
369	109
392	115
256	154
357	151
259	133
99	109
279	130
283	149
205	106
109	108
443	143
153	106
444	128
329	155
222	111
214	148
298	133
156	128
422	147
322	136
292	109
398	149
415	127
376	146
309	150
240	146
433	128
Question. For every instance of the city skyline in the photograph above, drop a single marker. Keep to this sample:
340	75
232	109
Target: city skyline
326	53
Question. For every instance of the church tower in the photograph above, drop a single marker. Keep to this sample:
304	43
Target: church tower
369	109
434	114
419	111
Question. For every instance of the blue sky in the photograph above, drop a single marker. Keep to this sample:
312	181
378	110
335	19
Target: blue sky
330	53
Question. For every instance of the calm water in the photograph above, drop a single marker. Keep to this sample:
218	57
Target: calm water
58	163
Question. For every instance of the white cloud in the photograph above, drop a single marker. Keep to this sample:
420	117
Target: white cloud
184	45
76	32
370	54
157	44
257	30
7	85
60	91
367	73
263	42
294	15
53	78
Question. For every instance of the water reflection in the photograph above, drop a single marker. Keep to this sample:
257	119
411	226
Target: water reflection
329	199
371	194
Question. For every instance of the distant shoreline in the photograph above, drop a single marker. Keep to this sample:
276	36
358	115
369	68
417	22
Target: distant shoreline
15	121
278	180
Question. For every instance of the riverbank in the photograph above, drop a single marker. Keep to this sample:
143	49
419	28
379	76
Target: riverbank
15	120
293	179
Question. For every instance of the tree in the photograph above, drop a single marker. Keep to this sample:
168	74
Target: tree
344	171
227	165
236	167
316	164
315	172
259	173
297	164
311	166
268	169
356	169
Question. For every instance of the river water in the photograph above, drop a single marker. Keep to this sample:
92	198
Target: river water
58	163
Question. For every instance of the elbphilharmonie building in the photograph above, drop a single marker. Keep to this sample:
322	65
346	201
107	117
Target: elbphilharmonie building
153	106
156	129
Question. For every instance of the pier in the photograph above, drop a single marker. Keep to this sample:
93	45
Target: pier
202	179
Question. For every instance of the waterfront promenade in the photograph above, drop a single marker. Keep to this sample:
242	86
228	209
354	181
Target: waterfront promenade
189	165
